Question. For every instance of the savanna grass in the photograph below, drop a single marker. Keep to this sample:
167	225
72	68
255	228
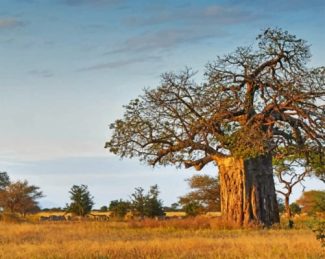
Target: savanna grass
187	238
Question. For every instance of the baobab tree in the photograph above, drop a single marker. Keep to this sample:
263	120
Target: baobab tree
256	103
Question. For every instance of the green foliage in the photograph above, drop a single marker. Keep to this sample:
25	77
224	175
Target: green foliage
312	202
20	197
295	208
147	205
205	193
4	180
103	209
319	230
81	200
317	163
173	207
54	209
192	208
119	208
138	201
287	160
153	205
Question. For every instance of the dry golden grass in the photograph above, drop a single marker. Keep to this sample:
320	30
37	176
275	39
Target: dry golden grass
190	238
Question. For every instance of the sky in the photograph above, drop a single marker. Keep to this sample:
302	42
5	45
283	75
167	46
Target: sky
67	68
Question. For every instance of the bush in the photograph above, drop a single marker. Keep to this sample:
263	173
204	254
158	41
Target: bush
119	208
147	205
319	230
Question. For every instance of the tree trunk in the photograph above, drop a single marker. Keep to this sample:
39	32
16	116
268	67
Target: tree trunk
287	206
247	191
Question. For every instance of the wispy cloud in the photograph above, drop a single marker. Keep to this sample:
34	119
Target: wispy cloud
10	23
280	5
91	2
41	73
209	15
165	39
177	26
120	63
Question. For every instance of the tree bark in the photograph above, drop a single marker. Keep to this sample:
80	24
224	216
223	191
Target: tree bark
287	206
247	191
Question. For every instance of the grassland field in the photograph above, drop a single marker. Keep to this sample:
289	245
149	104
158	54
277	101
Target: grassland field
199	237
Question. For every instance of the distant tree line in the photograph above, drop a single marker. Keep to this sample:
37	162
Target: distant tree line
204	196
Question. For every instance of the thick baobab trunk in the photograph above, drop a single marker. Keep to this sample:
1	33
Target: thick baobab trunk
247	191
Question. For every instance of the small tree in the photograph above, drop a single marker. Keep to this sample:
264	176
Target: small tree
205	193
147	205
119	208
192	208
4	180
20	197
138	201
290	171
81	200
312	202
153	206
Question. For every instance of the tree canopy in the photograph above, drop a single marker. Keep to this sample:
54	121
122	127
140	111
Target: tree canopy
81	200
312	201
4	180
257	100
205	193
20	197
147	205
119	208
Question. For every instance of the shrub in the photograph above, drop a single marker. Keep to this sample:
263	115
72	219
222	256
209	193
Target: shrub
319	230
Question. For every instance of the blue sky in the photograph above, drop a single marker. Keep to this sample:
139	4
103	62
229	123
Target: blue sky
68	66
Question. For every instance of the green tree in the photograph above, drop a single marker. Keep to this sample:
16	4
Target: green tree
312	202
205	193
257	102
295	208
138	202
81	200
4	180
149	204
119	208
153	205
103	209
192	208
20	197
173	207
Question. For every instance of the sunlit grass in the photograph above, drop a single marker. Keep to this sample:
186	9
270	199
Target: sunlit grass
190	238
